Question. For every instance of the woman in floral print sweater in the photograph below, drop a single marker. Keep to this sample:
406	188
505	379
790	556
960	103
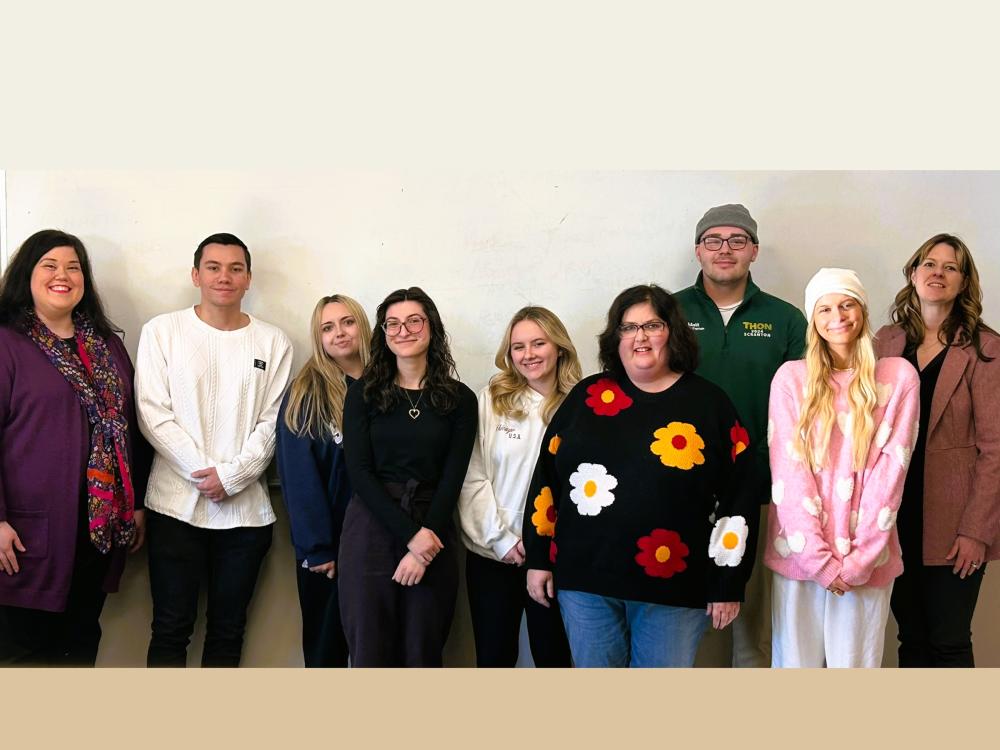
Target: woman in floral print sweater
638	512
841	431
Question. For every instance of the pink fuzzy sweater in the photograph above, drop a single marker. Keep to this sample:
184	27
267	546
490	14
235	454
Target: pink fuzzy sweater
837	521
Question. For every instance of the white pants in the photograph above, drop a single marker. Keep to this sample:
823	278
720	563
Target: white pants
812	627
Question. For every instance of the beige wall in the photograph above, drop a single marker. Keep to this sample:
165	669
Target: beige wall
482	244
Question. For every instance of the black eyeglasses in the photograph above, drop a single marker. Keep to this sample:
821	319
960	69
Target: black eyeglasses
413	324
652	328
736	242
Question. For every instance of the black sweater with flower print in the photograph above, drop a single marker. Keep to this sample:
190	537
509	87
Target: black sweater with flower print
644	496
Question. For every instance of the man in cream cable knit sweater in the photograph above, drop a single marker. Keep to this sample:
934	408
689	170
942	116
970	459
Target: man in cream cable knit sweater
208	383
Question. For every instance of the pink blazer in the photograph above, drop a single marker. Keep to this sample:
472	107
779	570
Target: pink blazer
962	458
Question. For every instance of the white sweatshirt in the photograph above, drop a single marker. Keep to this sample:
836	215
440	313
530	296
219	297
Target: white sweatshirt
205	398
491	504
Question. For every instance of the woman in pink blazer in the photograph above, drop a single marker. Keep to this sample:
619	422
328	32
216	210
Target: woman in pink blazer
950	516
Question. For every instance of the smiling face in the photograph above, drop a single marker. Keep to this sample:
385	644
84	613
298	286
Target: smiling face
938	278
339	332
57	283
222	276
726	266
838	319
644	357
405	343
534	355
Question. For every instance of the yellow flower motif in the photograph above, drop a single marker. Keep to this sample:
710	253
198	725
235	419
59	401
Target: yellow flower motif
554	444
544	517
678	445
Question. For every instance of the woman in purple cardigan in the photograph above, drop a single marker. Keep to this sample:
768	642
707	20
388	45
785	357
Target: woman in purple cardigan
950	516
73	465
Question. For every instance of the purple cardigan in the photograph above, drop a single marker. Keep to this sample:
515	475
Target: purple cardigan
44	447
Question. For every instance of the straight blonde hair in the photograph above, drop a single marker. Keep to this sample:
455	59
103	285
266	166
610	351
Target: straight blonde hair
508	386
316	397
818	416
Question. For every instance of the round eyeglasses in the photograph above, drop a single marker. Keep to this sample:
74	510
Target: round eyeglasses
413	324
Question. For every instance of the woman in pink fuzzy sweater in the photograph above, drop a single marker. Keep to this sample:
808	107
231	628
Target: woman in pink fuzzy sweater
841	431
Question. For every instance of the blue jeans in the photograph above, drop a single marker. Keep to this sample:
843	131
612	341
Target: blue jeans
607	632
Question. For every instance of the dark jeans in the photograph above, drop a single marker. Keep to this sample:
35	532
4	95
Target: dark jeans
34	637
498	595
933	608
386	624
323	642
180	556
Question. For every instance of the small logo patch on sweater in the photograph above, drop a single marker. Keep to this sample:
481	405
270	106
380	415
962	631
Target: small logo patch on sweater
757	330
260	364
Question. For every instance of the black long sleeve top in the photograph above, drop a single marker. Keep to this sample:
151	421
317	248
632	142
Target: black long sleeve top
433	449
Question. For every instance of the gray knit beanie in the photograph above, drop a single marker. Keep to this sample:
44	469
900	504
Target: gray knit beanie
729	215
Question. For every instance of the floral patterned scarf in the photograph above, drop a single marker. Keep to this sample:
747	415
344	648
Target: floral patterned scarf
91	371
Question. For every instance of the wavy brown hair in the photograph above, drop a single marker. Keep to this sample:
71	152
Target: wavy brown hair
441	378
964	323
508	386
316	396
682	346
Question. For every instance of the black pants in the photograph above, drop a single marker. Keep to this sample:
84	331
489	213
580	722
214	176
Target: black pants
35	637
180	555
323	642
933	608
498	595
386	624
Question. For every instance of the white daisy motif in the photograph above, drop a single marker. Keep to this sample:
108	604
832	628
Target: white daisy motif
778	492
592	487
813	505
845	488
886	518
770	432
728	541
845	421
903	454
843	545
882	393
882	436
883	557
797	542
781	546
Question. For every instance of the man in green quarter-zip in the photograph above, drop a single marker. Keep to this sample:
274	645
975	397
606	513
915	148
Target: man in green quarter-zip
744	336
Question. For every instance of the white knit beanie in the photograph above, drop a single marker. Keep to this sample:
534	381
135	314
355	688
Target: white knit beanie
833	281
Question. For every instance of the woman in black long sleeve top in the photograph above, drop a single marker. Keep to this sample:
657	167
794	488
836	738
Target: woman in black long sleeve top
409	426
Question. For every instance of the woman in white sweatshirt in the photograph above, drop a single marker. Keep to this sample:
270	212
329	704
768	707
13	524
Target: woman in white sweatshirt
538	367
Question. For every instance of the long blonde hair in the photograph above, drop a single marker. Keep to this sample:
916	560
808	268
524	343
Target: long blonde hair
818	417
508	386
316	397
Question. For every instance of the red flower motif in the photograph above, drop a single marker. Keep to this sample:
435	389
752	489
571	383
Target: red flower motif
553	551
740	438
607	398
662	553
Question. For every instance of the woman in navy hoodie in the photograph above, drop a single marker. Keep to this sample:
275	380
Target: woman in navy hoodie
313	474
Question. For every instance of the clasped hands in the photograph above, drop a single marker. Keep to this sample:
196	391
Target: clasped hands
422	549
